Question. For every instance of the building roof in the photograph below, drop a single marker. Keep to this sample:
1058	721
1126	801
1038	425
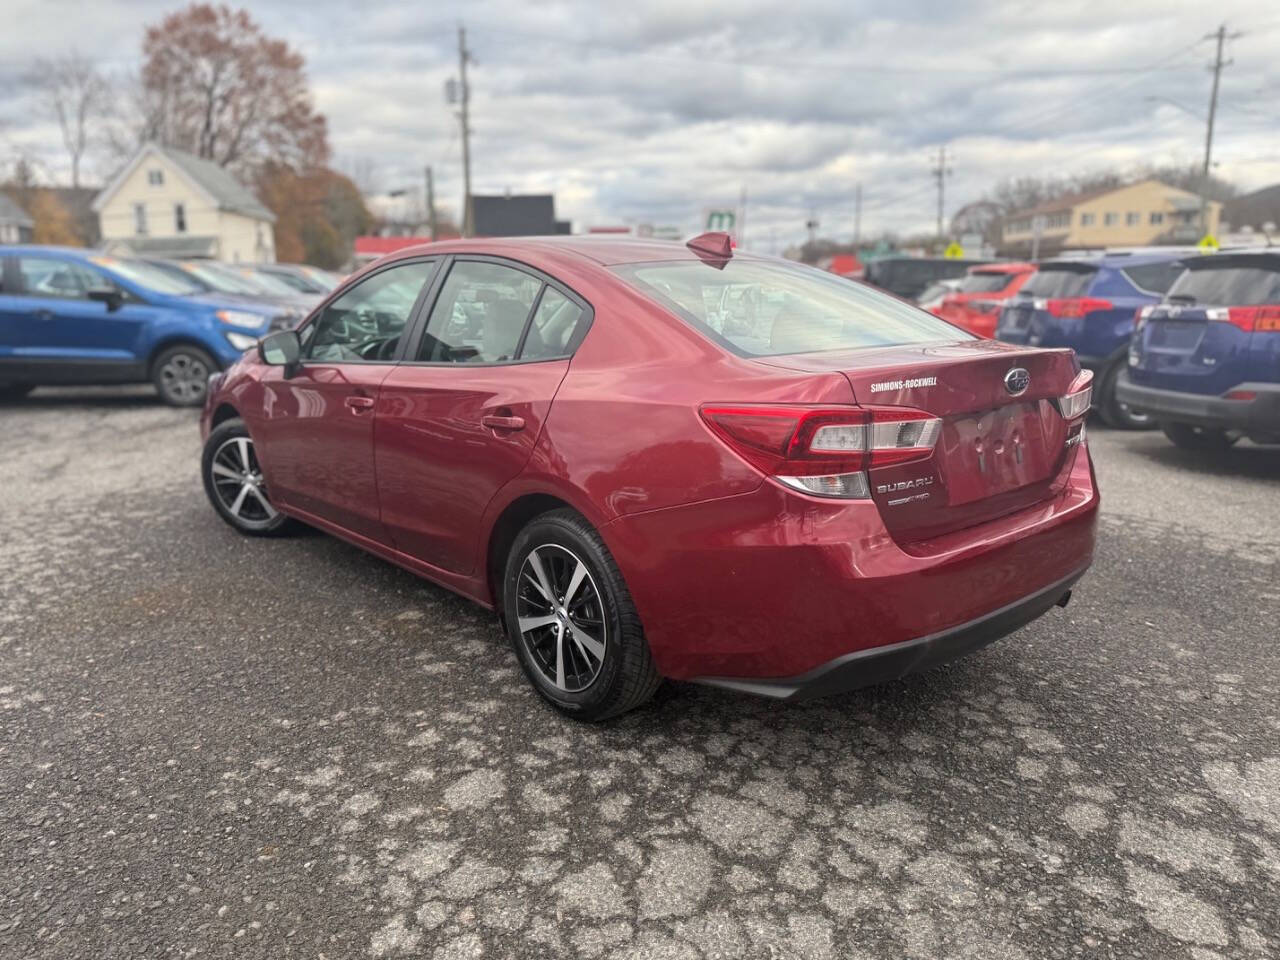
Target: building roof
528	215
10	212
1253	209
226	192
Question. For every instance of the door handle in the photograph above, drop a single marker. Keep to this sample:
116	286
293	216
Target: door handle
495	422
357	404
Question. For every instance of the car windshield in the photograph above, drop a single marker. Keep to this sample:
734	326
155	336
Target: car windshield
147	276
298	283
765	308
1059	282
1226	285
985	282
223	281
263	282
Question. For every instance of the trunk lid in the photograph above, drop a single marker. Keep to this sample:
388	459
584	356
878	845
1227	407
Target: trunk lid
997	451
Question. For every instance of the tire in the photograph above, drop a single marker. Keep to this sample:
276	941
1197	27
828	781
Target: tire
12	392
1114	413
580	680
181	374
1203	439
236	490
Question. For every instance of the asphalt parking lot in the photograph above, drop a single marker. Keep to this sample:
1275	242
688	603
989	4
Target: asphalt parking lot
213	746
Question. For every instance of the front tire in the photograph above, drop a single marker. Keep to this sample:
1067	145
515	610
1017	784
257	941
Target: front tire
1115	414
181	375
233	482
571	619
1200	439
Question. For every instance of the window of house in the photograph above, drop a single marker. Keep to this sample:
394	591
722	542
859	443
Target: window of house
179	218
1087	219
155	178
140	218
1132	218
1058	221
1110	219
1157	218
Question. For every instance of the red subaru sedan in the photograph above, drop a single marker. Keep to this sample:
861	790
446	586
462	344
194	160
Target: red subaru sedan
656	460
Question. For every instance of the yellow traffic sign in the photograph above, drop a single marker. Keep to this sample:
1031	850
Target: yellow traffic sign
1208	243
954	251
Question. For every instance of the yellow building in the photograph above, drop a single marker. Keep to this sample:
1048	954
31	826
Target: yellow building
1142	214
169	203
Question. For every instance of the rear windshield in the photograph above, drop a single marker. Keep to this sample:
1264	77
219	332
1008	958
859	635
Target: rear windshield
1155	277
1229	286
764	309
985	282
1059	282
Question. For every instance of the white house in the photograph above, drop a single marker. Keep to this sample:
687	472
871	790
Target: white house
169	203
15	225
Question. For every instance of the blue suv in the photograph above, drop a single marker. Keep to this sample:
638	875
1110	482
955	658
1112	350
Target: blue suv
1205	363
71	316
1090	304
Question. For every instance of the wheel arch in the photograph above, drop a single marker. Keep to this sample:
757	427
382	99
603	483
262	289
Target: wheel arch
178	340
221	414
515	516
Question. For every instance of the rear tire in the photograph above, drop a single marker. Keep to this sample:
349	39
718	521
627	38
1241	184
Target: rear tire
570	617
1202	439
181	375
1114	413
12	392
233	482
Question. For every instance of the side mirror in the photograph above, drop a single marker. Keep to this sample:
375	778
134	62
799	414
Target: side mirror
112	297
282	349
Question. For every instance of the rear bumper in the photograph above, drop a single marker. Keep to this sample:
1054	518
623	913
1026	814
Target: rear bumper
1260	416
772	586
863	668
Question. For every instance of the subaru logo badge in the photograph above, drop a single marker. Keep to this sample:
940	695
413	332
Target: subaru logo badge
1016	381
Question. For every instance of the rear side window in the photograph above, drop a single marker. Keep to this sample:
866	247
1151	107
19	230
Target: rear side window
1230	285
1154	277
480	314
985	282
761	309
1059	282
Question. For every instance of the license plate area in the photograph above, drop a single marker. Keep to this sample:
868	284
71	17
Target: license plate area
1180	335
996	451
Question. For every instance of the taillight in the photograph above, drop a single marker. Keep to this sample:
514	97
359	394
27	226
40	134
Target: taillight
1248	319
824	450
1076	306
1141	316
1075	402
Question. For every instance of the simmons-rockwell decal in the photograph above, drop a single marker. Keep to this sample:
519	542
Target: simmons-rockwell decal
904	384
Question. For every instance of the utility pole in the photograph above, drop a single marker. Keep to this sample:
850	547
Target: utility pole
431	202
857	216
940	173
1218	63
464	94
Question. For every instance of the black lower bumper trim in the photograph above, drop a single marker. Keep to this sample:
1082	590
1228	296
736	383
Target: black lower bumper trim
863	668
1259	416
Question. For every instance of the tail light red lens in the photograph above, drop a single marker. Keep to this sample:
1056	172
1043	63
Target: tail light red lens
1077	306
1075	402
824	450
1248	319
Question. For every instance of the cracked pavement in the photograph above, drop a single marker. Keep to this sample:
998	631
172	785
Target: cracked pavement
224	747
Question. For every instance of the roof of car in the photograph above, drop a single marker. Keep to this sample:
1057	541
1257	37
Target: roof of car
604	250
1134	259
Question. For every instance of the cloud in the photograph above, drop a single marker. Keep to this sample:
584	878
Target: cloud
654	110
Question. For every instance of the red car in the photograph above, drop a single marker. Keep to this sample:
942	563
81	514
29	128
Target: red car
976	305
669	461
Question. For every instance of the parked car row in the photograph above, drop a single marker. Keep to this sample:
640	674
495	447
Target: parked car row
1190	344
74	316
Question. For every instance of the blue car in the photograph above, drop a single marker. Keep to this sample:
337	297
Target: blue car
1090	304
71	316
1205	363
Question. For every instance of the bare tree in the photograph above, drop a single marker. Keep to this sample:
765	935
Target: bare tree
76	93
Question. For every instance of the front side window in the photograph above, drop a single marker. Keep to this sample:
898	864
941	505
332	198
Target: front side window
47	277
760	309
366	323
480	314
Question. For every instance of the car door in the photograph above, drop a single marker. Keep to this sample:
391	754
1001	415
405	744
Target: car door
88	338
316	422
460	418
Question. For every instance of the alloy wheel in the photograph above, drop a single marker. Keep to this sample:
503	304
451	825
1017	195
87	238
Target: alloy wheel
184	378
560	617
238	483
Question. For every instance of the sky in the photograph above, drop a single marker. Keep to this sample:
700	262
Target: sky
656	110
